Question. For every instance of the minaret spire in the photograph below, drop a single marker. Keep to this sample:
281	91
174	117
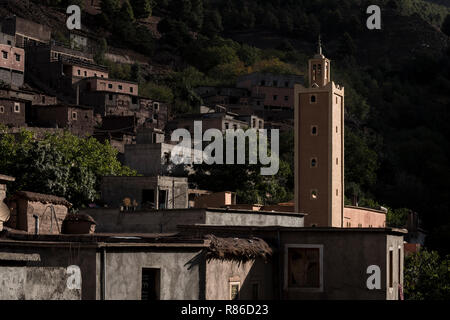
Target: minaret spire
319	46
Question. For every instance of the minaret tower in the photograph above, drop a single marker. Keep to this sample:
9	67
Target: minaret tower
319	146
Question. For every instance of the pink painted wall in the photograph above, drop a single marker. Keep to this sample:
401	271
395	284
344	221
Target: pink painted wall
10	62
363	217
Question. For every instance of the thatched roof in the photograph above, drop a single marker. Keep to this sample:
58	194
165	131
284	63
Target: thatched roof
237	249
40	197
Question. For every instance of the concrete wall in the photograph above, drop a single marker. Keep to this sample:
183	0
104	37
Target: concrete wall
346	257
44	274
112	220
180	276
221	273
36	283
258	218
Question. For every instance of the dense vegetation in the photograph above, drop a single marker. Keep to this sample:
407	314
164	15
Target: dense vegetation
59	164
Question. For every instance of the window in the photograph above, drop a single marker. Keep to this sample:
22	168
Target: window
85	73
156	105
226	125
275	83
314	130
275	97
314	194
304	267
235	126
79	72
235	287
120	87
286	98
286	84
336	100
253	123
313	98
102	76
2	109
391	268
148	198
263	82
5	54
131	89
336	129
16	107
17	57
110	85
43	99
337	192
150	285
313	162
95	75
337	161
74	116
9	42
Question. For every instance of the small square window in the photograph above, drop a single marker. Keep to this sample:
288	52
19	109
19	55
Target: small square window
110	85
286	98
16	107
120	87
74	116
131	89
17	57
235	287
9	42
5	54
275	97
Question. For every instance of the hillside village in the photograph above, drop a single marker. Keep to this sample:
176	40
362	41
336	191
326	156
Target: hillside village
158	234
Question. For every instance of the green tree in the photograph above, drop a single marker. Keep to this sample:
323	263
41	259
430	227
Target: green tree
142	8
59	164
427	276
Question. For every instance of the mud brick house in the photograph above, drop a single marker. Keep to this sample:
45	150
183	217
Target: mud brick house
156	192
217	120
276	90
12	112
26	32
60	67
77	119
12	63
33	212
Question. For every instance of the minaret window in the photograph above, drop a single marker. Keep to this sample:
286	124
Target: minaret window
314	130
314	194
313	162
313	98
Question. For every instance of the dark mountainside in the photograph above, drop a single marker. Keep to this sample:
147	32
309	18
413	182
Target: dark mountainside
397	79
